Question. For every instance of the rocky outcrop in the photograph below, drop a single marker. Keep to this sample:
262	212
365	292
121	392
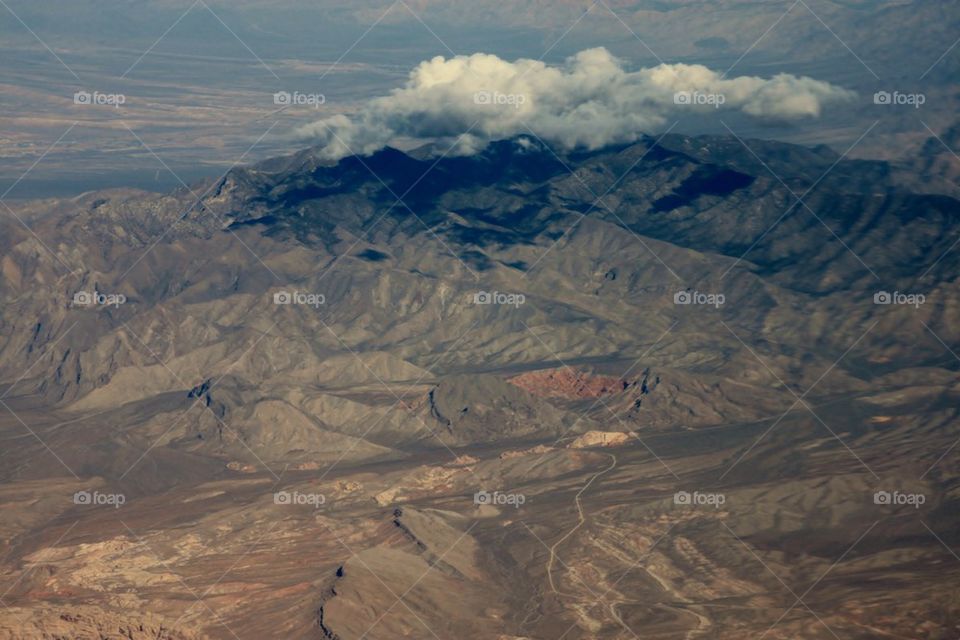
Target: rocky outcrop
83	621
519	453
569	384
486	408
600	439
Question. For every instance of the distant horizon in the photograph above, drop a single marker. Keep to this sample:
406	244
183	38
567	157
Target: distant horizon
201	91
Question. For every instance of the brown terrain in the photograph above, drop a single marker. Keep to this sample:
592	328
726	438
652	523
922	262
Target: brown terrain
404	460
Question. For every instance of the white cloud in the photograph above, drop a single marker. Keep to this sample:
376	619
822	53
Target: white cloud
589	102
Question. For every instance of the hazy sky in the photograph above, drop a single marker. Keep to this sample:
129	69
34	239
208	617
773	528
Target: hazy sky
198	78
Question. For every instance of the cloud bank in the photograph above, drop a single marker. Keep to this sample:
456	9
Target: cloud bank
588	102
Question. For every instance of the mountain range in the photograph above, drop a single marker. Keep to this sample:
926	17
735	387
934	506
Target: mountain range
598	332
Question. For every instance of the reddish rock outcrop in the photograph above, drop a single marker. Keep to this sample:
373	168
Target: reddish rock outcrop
569	384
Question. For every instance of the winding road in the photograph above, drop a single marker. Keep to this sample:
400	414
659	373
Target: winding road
581	520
